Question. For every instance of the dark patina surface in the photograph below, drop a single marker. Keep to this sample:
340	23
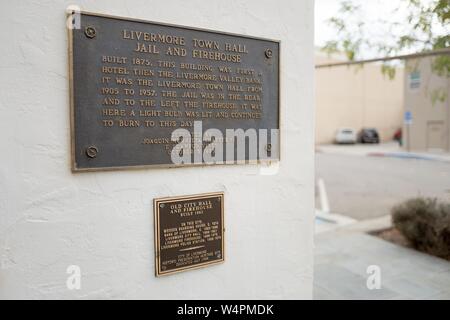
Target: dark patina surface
139	138
189	232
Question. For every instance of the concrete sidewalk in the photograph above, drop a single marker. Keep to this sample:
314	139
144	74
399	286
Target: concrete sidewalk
343	255
386	149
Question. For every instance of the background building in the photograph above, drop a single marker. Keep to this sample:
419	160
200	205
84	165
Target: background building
427	99
355	97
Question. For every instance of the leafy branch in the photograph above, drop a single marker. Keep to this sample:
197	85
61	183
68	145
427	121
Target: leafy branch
426	27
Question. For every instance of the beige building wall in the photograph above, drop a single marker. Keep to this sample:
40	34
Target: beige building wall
356	97
430	129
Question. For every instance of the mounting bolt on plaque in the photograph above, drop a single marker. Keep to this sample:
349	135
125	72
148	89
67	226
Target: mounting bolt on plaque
91	151
90	32
268	147
268	53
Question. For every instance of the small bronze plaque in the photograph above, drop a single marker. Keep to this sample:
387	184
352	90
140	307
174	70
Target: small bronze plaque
189	232
133	83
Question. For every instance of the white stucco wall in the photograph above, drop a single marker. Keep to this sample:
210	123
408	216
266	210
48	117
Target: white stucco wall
51	218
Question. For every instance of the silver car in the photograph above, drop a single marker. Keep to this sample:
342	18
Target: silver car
346	135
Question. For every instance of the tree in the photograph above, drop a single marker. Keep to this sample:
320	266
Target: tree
425	27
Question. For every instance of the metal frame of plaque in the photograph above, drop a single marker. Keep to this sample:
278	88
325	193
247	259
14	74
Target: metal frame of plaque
95	147
172	258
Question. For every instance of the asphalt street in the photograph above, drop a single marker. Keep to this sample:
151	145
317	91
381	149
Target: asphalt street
364	187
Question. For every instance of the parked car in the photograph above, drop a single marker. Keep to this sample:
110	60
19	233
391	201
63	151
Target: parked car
369	135
345	135
398	136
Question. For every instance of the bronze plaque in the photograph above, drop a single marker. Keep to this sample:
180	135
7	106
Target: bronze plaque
189	232
134	82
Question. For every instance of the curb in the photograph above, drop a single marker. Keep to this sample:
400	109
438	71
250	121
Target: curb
407	156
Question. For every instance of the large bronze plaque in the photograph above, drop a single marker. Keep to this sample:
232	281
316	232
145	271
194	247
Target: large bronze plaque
134	82
189	232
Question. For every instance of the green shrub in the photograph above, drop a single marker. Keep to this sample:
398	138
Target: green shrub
425	223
